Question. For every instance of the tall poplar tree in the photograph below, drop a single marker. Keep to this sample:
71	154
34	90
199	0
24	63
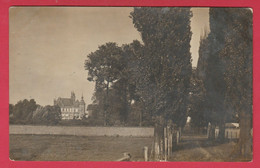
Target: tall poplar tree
214	71
227	71
238	53
164	76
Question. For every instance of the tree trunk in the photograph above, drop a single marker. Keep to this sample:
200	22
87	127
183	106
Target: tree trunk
125	110
245	139
141	118
221	134
168	141
159	140
106	104
211	131
180	133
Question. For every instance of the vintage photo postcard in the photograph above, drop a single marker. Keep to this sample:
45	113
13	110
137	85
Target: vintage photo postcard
136	84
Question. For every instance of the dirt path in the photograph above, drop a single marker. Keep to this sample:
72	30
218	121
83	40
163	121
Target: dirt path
198	148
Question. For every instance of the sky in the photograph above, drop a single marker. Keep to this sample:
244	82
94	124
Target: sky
49	45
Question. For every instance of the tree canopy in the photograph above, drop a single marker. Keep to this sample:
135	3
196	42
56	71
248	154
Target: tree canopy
22	111
50	115
164	76
226	69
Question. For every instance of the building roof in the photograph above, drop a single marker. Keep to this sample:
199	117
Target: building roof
65	101
232	125
69	102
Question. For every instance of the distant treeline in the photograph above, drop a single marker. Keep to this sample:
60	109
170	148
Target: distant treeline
28	112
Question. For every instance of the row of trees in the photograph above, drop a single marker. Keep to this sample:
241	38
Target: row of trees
151	77
155	75
28	112
225	72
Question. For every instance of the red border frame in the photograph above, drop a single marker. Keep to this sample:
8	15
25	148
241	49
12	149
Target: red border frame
4	80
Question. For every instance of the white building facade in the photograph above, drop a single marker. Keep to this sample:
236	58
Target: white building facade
71	108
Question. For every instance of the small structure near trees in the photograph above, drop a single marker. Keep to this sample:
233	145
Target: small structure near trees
232	131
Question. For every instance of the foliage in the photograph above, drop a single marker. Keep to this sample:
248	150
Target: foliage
50	115
215	67
238	53
104	67
126	86
229	62
22	111
197	101
228	70
11	109
154	74
164	74
115	97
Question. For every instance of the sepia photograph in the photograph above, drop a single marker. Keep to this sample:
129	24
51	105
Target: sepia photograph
134	84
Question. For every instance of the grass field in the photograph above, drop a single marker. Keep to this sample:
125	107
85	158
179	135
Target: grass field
75	148
104	148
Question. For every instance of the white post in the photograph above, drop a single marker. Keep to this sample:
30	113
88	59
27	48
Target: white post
178	136
145	153
208	130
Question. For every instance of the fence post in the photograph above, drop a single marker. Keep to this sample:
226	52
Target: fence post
169	140
208	130
166	143
177	137
145	153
